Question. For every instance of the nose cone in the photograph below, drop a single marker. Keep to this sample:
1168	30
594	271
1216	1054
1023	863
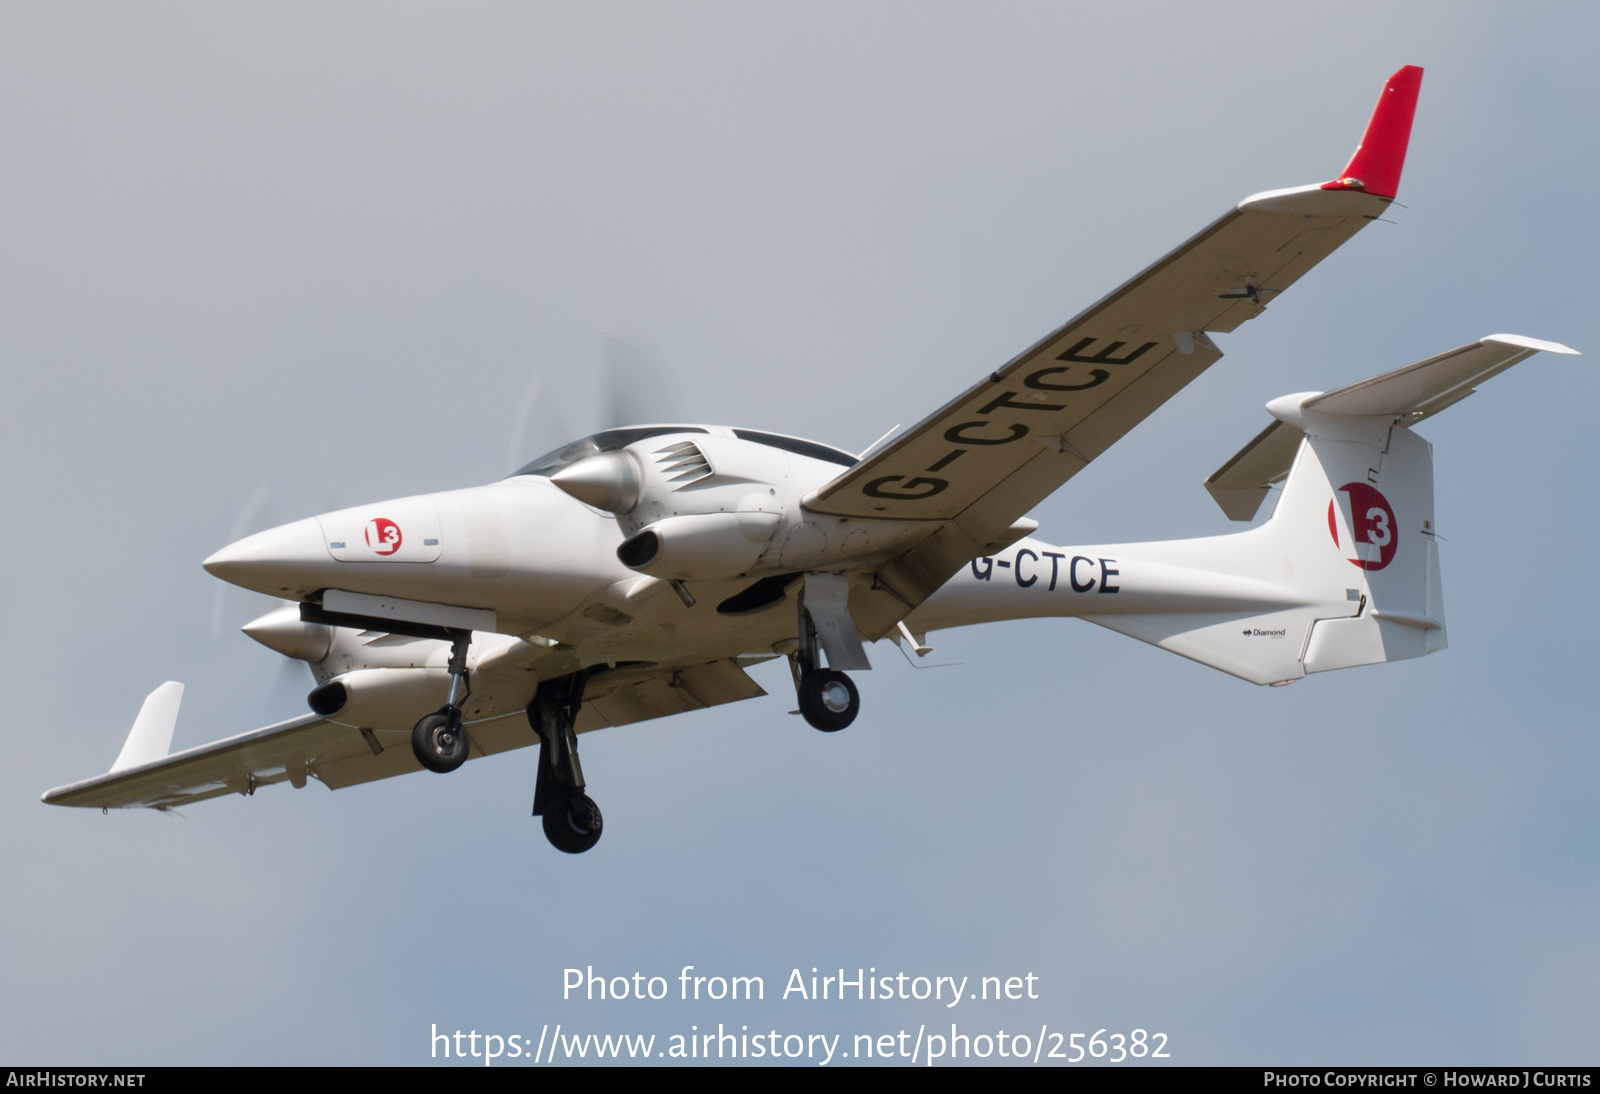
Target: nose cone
609	482
290	561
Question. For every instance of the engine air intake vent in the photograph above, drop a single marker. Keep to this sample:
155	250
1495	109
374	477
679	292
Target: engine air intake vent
683	464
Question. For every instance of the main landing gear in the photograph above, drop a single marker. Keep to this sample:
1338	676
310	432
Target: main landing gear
438	740
828	698
572	821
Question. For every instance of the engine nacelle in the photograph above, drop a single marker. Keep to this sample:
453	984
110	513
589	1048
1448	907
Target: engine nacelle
381	698
705	547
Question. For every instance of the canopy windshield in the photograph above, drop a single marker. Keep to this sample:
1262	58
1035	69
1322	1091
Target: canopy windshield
611	440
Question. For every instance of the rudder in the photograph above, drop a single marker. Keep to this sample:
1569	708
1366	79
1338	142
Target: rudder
1365	490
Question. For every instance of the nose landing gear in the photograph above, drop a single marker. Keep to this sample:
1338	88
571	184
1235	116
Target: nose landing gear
572	821
438	740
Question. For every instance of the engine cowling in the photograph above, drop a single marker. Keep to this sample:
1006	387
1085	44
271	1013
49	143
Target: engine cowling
381	698
703	547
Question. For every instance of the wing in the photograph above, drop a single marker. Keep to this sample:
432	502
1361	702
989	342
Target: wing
637	697
287	751
975	466
340	755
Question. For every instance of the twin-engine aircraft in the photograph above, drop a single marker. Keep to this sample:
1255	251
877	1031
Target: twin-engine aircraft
638	572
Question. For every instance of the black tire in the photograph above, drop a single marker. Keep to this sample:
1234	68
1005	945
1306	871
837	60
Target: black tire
573	824
828	699
440	743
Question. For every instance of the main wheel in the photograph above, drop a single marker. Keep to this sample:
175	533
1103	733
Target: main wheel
828	699
439	741
573	824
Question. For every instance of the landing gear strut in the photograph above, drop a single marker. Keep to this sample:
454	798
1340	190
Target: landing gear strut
572	821
438	740
828	698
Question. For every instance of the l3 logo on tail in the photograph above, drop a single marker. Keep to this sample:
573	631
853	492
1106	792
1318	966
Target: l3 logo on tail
1372	525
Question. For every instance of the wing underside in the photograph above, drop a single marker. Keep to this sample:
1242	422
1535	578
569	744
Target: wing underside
340	755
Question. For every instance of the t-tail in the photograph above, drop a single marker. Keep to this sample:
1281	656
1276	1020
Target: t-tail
1345	573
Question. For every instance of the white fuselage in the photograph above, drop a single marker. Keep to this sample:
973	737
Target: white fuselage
539	570
546	563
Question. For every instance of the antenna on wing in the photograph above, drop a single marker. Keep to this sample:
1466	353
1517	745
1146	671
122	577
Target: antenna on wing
879	443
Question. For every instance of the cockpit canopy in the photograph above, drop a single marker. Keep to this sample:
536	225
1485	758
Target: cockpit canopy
612	440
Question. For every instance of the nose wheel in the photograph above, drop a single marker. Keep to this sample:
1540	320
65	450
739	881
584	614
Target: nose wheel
438	740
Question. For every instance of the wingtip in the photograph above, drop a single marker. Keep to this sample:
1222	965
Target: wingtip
1380	157
1525	342
151	736
54	795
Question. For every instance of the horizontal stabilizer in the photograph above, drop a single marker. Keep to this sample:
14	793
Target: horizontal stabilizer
1403	397
1421	390
1240	484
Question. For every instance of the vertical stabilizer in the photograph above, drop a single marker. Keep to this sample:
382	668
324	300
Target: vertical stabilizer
1371	485
1350	547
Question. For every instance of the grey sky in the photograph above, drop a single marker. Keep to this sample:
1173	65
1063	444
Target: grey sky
324	248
